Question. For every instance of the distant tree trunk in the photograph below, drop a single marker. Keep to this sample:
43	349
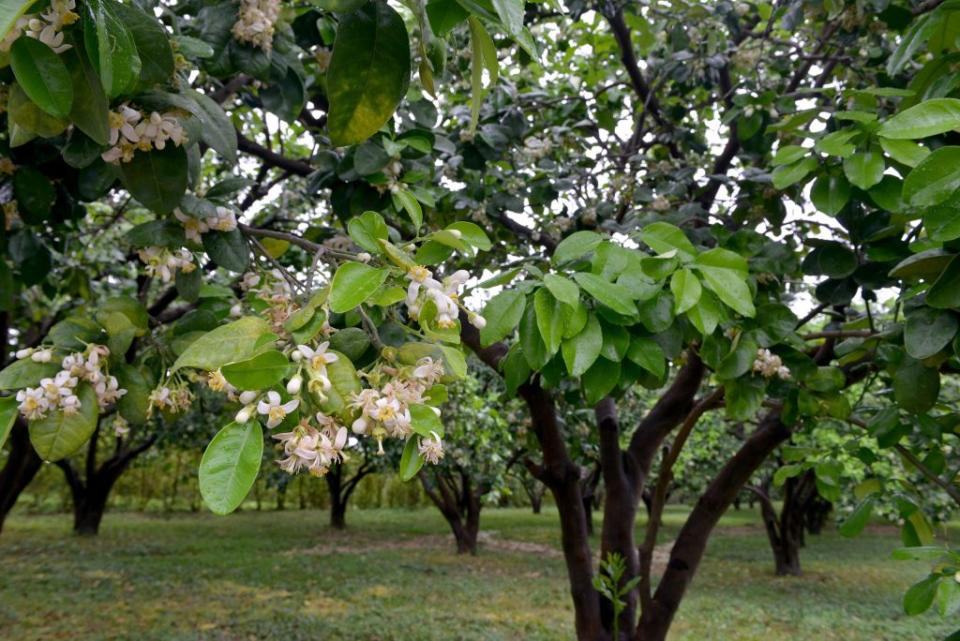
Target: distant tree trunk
459	502
282	496
22	465
90	494
535	491
341	489
785	532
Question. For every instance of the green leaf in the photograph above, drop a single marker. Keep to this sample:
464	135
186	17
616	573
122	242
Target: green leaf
575	245
59	435
228	249
831	259
549	319
157	178
43	76
904	151
934	179
217	130
859	518
23	114
919	597
10	12
705	315
789	154
928	331
260	372
600	380
787	175
404	199
581	351
945	292
830	194
152	44
929	118
614	296
502	313
686	290
864	169
410	459
531	343
471	234
838	143
483	56
915	386
366	229
344	383
352	342
35	194
948	597
424	420
26	373
368	73
135	404
236	341
110	47
647	353
353	284
919	553
511	14
230	466
8	416
563	289
928	265
941	221
725	272
445	16
90	112
663	238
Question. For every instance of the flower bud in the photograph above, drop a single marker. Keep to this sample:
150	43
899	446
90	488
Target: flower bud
24	353
364	257
477	320
294	384
247	397
244	415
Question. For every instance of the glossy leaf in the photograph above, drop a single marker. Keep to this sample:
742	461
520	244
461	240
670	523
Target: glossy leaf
502	313
260	372
929	118
410	459
157	178
43	76
927	331
8	416
686	290
354	283
934	179
59	434
614	296
230	466
581	351
575	246
236	341
365	83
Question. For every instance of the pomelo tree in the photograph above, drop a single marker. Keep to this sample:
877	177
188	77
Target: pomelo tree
745	206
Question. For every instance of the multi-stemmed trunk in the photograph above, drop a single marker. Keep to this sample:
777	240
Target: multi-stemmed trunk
91	491
22	465
786	530
340	489
459	500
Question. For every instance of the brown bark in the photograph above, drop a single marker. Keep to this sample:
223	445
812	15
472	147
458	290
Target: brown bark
459	501
341	489
22	465
785	531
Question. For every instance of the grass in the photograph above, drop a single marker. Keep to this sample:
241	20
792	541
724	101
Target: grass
392	576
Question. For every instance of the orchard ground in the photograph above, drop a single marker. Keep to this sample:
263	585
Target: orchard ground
393	576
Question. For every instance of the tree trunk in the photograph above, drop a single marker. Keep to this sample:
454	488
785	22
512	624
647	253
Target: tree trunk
338	506
22	465
88	509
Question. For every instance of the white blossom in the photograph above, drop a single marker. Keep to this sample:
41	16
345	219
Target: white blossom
274	409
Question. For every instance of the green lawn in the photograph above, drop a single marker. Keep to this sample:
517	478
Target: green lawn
392	576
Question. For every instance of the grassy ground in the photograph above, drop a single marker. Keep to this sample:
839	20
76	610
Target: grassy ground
392	577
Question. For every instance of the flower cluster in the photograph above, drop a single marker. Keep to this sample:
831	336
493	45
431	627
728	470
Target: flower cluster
255	22
312	448
423	287
431	449
316	361
385	412
132	130
273	289
768	365
223	220
170	399
164	263
59	392
47	27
